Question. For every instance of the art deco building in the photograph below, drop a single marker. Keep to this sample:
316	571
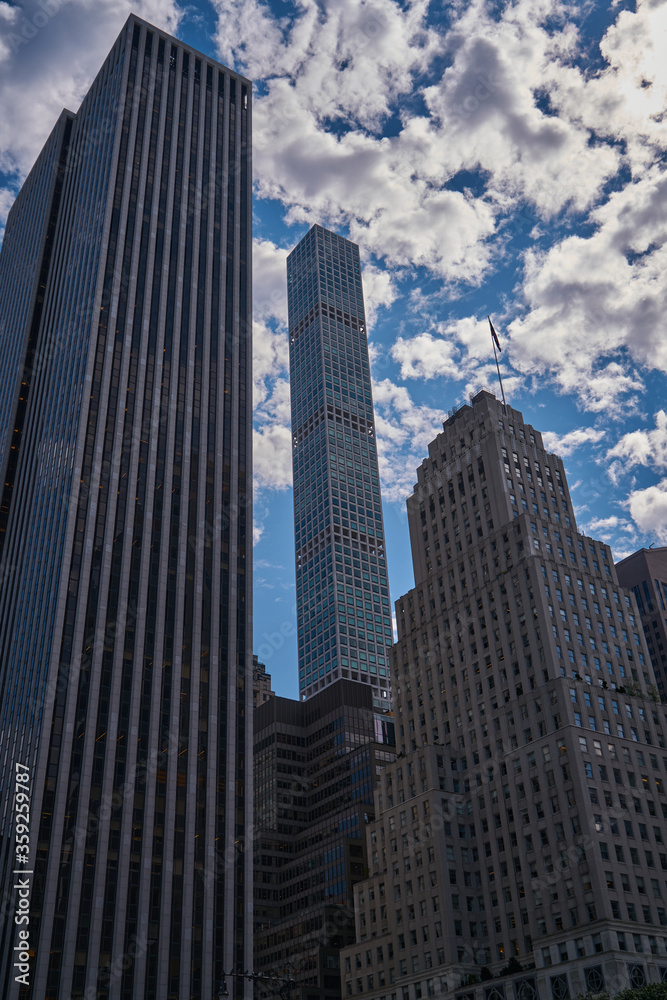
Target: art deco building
344	626
317	763
519	849
125	403
645	572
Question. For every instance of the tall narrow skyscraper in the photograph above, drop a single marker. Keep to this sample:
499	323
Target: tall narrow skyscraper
125	610
343	611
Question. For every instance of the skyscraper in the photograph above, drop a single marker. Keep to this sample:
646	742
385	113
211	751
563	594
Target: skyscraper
125	398
522	823
343	614
645	572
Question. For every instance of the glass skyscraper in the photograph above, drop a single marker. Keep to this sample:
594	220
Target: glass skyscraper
343	612
125	532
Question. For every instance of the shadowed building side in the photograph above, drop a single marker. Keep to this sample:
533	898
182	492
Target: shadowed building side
645	573
125	610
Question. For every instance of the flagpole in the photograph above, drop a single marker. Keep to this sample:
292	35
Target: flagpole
495	354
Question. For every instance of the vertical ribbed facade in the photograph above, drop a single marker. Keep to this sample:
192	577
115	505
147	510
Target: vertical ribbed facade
341	571
125	609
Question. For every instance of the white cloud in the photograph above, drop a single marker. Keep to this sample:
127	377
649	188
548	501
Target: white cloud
628	98
459	350
641	447
269	360
594	305
426	357
272	457
565	444
249	38
506	111
348	60
517	114
49	56
648	508
613	530
605	523
350	64
380	292
269	290
272	436
487	107
404	430
270	349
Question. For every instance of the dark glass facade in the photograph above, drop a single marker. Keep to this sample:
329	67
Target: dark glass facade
125	609
645	573
316	766
341	572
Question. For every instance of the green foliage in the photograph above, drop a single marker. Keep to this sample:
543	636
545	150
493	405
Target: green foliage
511	968
653	991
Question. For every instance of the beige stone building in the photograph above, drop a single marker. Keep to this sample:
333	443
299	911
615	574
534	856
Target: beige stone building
519	849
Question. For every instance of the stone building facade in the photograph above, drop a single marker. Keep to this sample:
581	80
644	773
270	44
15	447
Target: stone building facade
519	850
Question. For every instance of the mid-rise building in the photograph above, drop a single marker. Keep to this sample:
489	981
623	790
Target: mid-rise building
126	533
645	573
261	683
317	764
344	624
519	846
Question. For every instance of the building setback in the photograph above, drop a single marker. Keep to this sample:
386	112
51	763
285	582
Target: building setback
316	765
344	626
520	835
125	610
645	572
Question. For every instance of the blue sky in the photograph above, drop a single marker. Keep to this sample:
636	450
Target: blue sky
488	157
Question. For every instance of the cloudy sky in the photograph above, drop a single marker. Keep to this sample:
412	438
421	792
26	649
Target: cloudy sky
489	157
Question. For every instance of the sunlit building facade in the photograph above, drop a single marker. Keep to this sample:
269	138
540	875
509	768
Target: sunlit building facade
125	609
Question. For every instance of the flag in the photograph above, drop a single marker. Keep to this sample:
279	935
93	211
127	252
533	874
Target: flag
494	335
